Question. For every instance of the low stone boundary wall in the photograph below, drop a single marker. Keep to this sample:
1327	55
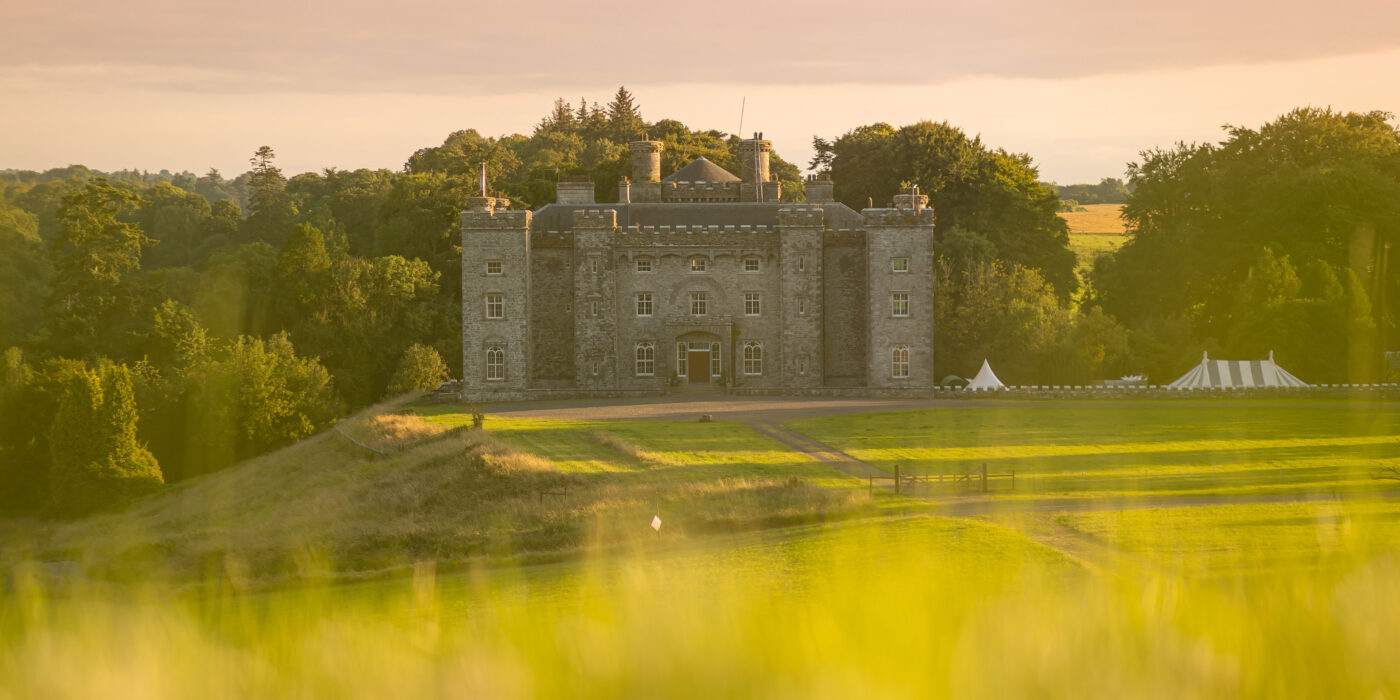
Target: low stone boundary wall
1337	391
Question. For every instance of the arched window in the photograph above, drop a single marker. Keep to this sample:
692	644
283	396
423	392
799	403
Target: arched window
899	361
495	363
716	367
646	359
682	364
753	358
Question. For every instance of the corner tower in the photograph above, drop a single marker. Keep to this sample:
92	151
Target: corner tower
495	300
899	256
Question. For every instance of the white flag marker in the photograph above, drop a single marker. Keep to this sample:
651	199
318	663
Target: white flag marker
656	523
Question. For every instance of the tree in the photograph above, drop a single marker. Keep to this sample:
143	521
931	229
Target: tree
993	193
420	369
625	121
26	276
96	459
996	311
93	255
1312	185
270	212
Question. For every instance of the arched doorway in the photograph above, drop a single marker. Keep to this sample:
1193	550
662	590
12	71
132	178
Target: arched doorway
699	358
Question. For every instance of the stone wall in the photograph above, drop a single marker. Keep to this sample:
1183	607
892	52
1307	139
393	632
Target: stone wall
801	295
551	310
596	364
844	308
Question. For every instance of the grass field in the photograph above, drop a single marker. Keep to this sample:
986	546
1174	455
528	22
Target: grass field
1093	231
772	575
1117	450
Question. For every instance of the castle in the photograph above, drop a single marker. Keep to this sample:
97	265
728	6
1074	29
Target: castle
700	278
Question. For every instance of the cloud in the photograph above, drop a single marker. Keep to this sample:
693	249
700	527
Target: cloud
435	47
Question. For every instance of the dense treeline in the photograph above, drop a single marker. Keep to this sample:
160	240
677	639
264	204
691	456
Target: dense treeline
1110	190
1280	238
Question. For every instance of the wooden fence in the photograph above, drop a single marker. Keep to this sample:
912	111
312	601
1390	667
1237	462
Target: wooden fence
910	480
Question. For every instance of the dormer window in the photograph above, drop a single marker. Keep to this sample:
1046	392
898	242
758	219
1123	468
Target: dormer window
699	264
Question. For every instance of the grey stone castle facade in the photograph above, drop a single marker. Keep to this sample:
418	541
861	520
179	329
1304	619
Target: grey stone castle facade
698	278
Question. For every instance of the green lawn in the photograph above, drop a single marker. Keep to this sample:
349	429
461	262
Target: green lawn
1252	539
1126	450
772	575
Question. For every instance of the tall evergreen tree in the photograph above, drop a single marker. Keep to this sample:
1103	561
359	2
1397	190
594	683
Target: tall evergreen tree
270	210
624	117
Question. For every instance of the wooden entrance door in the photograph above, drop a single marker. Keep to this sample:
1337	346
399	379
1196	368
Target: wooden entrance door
698	362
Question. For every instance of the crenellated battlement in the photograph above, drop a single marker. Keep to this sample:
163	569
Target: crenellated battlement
647	236
500	219
700	190
898	217
595	219
801	217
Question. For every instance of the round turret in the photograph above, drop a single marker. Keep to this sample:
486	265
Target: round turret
646	160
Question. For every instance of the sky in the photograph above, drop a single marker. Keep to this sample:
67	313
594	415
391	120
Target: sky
1082	86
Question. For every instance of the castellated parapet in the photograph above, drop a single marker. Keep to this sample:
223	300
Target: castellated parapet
595	219
702	277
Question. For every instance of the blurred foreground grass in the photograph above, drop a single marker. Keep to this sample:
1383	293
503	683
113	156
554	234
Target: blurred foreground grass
911	607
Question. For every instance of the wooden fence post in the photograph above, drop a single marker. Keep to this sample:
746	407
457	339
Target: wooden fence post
896	479
984	477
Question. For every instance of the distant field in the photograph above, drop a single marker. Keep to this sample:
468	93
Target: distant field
1087	451
1095	220
1093	231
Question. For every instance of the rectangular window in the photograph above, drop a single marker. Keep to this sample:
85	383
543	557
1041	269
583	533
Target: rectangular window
801	263
593	308
644	304
593	263
753	303
682	360
801	305
750	264
716	367
899	264
699	264
699	303
595	368
899	304
643	264
495	306
802	364
493	267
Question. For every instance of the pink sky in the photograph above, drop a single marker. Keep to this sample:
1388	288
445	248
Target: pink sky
1081	86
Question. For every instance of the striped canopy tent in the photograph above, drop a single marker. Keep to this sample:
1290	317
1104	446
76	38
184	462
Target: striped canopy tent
985	379
1236	374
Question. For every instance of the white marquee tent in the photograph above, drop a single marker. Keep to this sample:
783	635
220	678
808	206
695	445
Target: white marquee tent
1236	374
986	379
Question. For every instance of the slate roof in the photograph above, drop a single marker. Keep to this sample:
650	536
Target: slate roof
699	169
560	217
